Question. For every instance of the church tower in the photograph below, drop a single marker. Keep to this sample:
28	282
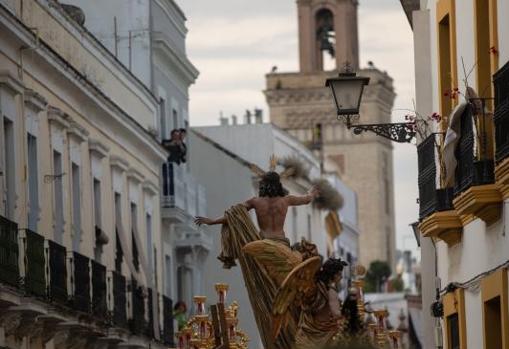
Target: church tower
327	27
300	103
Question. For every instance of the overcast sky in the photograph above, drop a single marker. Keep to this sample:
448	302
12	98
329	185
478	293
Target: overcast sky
234	43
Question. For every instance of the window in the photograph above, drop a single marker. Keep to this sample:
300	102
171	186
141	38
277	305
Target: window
447	66
148	224
495	304
455	320
386	183
97	217
134	222
485	14
167	276
119	254
33	185
162	105
58	193
9	168
175	118
76	206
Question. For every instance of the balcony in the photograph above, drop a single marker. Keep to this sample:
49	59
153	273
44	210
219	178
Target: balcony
182	196
436	213
476	194
119	290
501	82
432	196
99	307
35	274
9	271
57	273
137	323
80	282
168	329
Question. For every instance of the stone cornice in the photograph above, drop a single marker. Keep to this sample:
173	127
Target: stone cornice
150	187
35	101
10	82
77	132
58	117
118	163
97	147
134	175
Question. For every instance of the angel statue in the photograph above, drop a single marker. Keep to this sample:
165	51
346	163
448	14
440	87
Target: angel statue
312	287
265	256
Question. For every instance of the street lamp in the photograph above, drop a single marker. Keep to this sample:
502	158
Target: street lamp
347	91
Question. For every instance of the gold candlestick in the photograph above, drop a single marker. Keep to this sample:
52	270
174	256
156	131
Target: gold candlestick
200	304
221	289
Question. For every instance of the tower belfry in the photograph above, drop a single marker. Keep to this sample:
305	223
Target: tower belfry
300	103
327	27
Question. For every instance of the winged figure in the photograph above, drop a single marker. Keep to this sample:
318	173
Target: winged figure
312	287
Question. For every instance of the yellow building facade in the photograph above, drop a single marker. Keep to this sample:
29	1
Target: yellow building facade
462	75
80	225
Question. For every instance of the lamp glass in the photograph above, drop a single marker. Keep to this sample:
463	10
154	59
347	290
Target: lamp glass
347	93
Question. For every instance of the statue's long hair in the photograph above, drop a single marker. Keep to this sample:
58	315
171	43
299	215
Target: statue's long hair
329	269
270	186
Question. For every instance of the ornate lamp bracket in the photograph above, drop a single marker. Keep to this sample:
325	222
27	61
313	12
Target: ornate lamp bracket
401	132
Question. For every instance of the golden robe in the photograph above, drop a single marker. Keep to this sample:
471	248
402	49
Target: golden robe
261	287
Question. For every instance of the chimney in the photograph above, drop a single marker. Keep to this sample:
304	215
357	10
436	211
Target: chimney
234	119
247	117
258	114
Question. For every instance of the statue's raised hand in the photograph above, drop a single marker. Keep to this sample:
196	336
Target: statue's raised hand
202	220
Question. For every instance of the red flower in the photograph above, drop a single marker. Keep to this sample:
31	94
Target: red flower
493	50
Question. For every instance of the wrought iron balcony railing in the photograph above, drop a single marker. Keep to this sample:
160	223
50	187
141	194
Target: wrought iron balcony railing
432	196
118	295
99	305
168	330
35	273
9	270
180	190
57	272
475	150
80	281
150	323
501	82
137	322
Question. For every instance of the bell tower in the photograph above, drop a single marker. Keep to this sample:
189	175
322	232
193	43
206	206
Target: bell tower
327	27
300	103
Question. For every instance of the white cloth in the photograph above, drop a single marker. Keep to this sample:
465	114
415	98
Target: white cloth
452	137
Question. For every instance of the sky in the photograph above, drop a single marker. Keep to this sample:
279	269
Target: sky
234	43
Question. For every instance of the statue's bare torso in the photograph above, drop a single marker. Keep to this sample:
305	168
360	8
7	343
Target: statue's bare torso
270	214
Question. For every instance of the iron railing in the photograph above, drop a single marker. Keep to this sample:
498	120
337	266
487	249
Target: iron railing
80	279
35	274
57	272
432	197
99	306
9	270
501	82
137	322
474	151
119	299
150	324
168	330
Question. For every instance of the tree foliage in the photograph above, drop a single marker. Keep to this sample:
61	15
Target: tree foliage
378	273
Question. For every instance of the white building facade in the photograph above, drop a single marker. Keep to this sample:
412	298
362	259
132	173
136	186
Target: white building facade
148	37
80	238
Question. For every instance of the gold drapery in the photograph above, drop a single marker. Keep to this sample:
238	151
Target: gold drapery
235	234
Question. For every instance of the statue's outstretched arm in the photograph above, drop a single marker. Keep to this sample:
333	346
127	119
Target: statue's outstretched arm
220	220
209	221
294	200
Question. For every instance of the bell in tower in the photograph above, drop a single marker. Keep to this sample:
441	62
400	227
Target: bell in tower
327	27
